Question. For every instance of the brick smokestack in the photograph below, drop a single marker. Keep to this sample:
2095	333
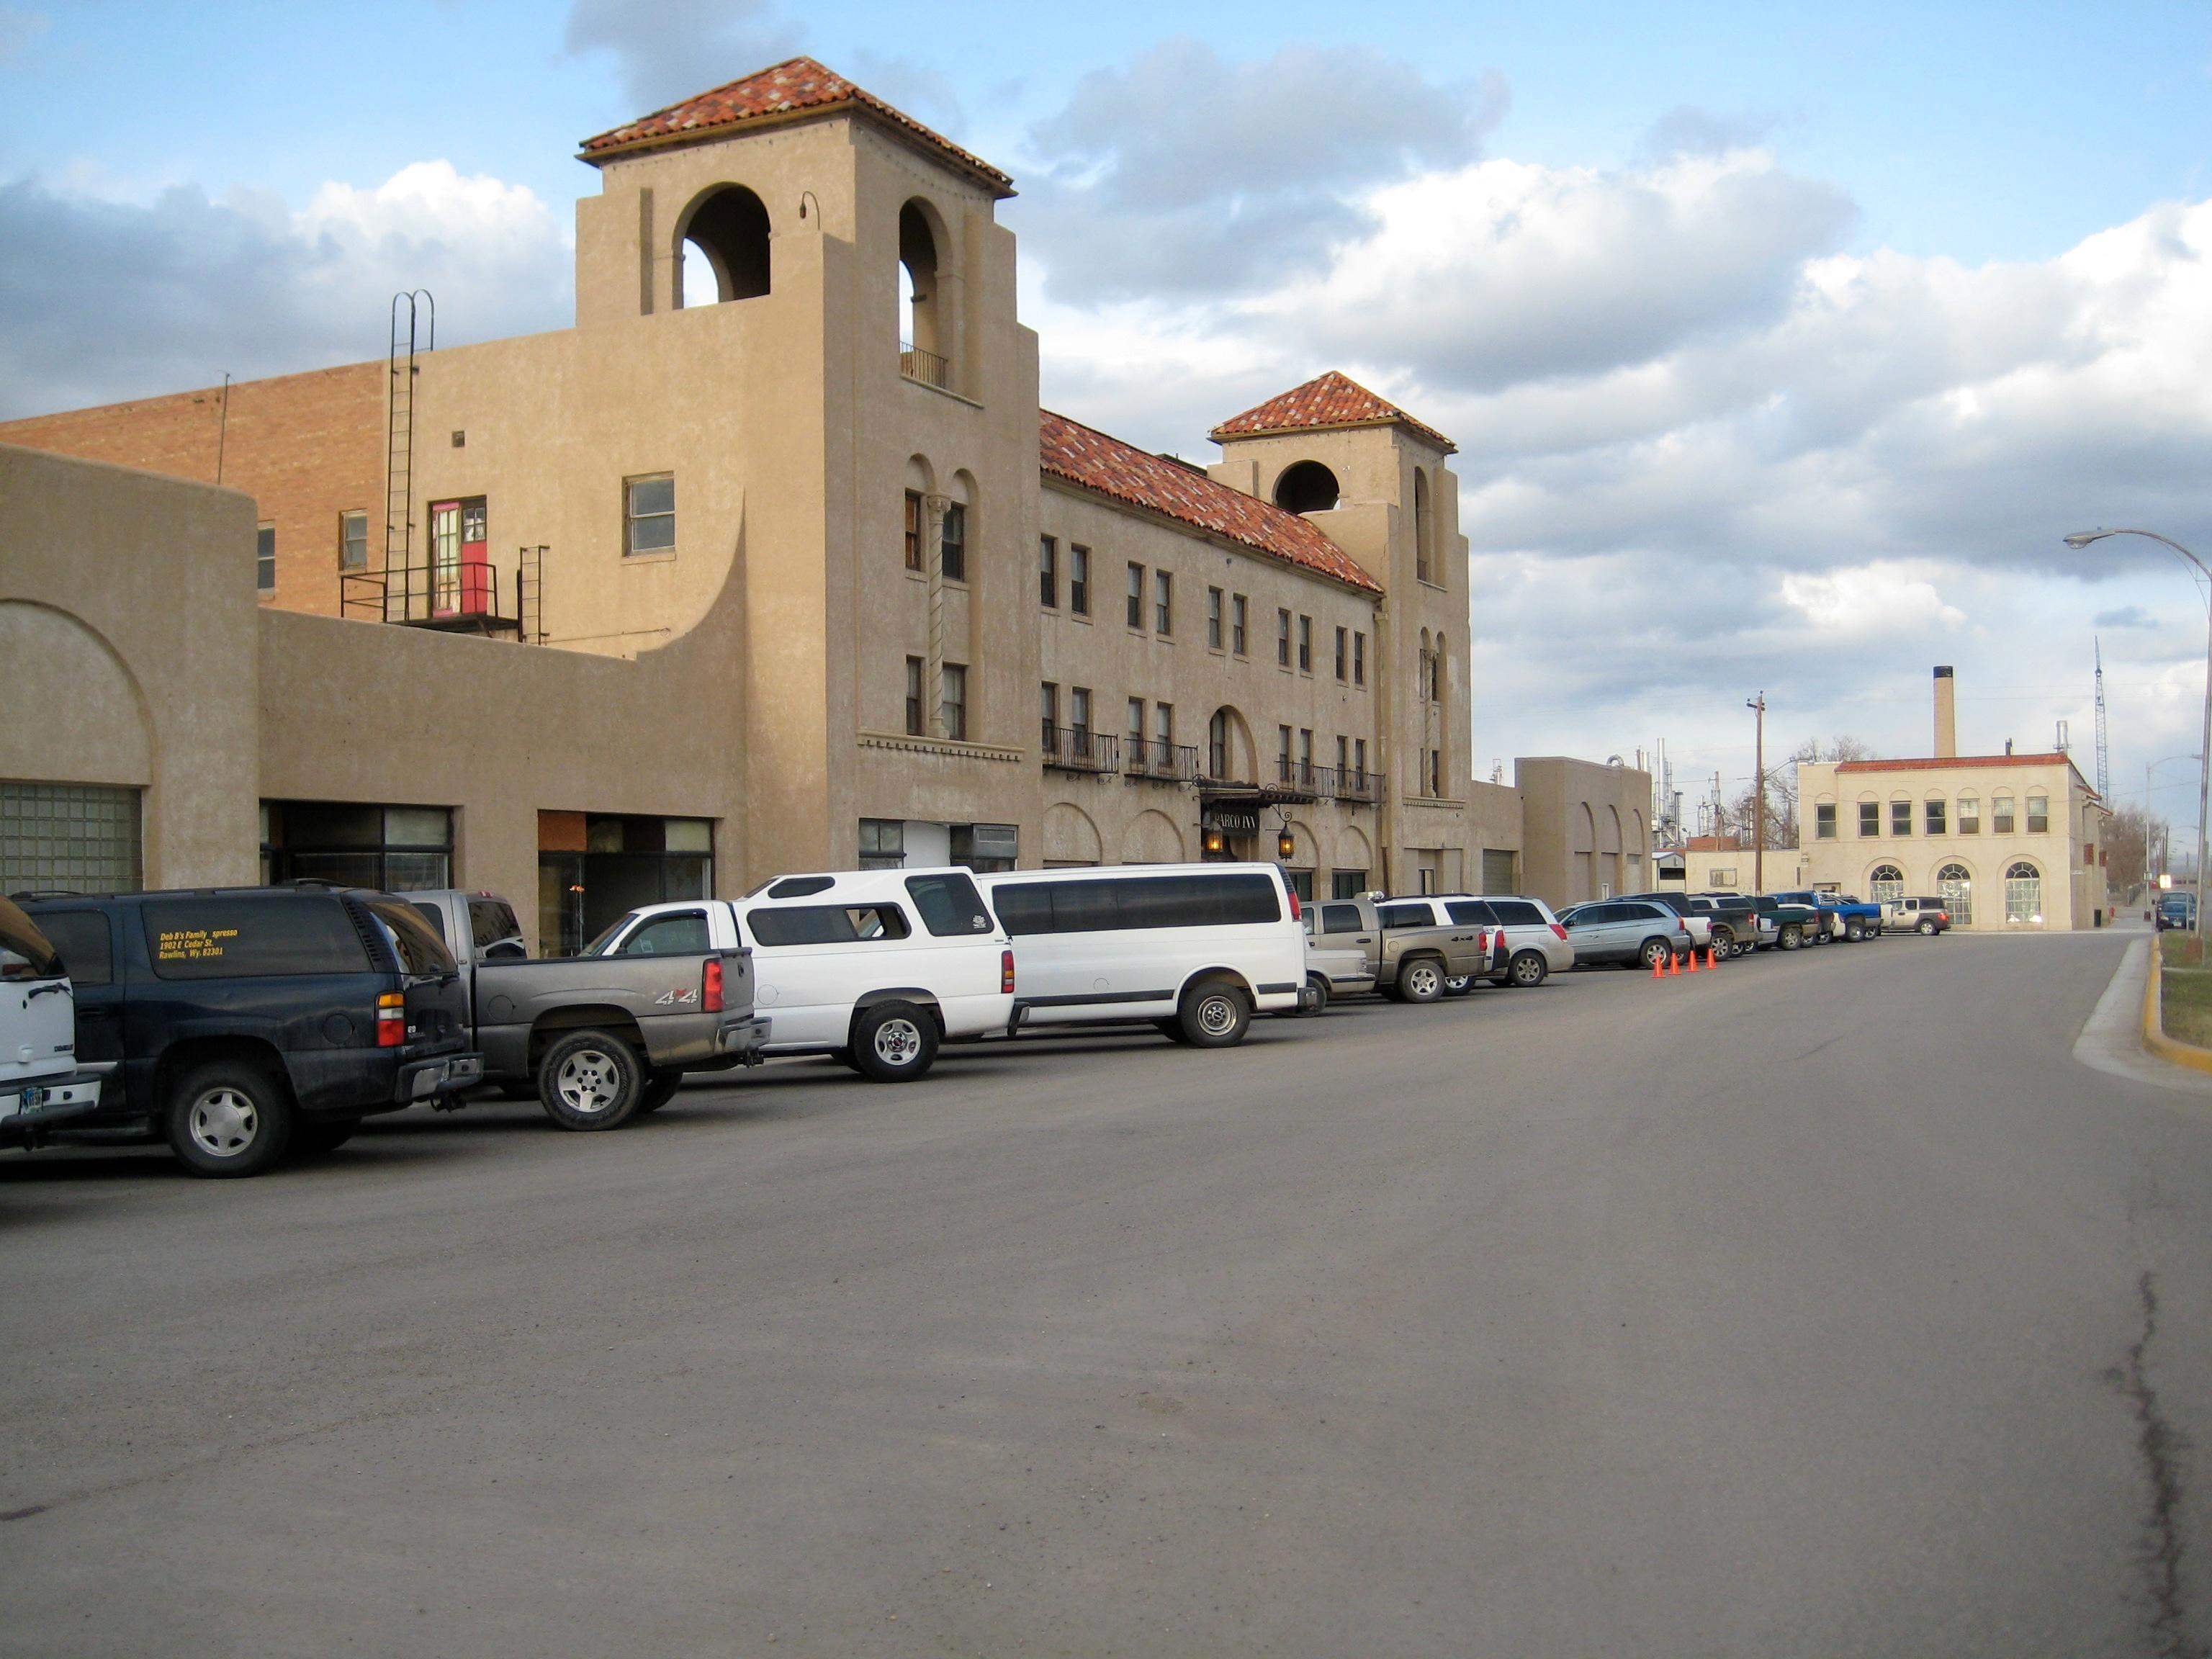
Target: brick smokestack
1947	716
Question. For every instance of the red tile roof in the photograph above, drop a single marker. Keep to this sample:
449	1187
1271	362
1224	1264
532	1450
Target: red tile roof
798	87
1329	400
1086	456
1937	762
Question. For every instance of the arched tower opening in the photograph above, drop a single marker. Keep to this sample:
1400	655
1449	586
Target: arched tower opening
919	312
1306	487
724	243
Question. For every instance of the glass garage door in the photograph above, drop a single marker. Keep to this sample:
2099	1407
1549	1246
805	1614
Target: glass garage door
68	837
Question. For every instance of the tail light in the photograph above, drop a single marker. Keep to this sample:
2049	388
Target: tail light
1296	913
1558	931
390	1020
1006	973
710	987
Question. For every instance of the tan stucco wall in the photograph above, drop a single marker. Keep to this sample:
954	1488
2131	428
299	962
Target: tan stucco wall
145	586
1575	808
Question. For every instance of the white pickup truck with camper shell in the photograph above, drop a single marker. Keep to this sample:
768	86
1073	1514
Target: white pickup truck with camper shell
876	967
41	1084
1194	950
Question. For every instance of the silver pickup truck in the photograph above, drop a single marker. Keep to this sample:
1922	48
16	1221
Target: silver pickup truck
595	1040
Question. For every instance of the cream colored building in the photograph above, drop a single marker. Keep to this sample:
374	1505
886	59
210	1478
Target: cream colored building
2009	841
685	595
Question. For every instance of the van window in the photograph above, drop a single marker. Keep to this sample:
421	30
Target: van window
87	947
950	905
491	921
827	924
1237	899
228	938
681	935
1471	913
25	952
1517	913
420	950
1339	918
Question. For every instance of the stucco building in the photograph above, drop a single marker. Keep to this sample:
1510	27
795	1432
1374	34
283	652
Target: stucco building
690	593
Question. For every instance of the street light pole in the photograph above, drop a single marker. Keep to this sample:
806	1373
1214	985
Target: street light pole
2080	539
2150	767
1758	705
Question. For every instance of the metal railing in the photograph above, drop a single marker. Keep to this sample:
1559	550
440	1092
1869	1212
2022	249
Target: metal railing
1169	763
1297	775
463	598
1079	748
926	366
1344	783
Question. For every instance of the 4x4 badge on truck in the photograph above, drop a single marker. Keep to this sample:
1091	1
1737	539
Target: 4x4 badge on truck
666	997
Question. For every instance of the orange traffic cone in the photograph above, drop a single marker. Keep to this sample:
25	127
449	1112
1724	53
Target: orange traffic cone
1712	957
1658	968
1673	964
1694	959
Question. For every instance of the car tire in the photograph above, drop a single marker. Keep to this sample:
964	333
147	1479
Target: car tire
659	1089
589	1080
1793	937
1654	951
894	1042
230	1118
1927	930
1529	970
1459	984
1722	943
1215	1014
1421	980
1854	931
313	1136
1319	985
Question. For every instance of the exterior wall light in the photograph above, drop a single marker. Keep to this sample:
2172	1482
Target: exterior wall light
1213	840
1285	846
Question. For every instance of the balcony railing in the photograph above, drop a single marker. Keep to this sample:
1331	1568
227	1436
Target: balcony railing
926	366
1167	763
1303	775
1343	783
1078	749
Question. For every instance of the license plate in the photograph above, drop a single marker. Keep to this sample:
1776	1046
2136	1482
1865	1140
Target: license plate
29	1099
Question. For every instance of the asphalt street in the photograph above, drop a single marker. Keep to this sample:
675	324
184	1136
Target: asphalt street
1823	1305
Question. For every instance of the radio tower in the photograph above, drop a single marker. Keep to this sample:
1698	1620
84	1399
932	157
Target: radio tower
2104	755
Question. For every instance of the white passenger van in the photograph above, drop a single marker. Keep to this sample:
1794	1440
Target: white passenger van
877	967
1195	948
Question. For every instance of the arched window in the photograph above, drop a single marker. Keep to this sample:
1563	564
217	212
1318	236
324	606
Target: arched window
1956	884
1224	748
1437	671
924	353
2023	894
725	247
1885	885
1306	487
1425	529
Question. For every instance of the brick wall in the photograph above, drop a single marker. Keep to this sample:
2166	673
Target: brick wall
306	448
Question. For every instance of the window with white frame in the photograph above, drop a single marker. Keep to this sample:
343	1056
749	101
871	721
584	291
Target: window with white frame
1955	883
649	514
2023	894
1885	885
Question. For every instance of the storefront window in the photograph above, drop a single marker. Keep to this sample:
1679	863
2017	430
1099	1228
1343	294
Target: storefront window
395	849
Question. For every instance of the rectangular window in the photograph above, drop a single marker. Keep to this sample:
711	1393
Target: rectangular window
264	559
1049	711
353	541
1359	658
1435	774
1162	604
1136	726
1343	755
1079	581
1343	653
1048	573
1901	817
1236	611
83	837
1869	817
1079	714
1305	645
986	848
1347	883
1163	728
828	924
1824	821
1359	756
1138	902
1970	816
913	528
1213	618
1935	818
954	703
2038	815
649	514
952	544
400	849
1283	753
248	937
1282	639
1305	755
2000	815
1136	597
950	905
913	696
882	844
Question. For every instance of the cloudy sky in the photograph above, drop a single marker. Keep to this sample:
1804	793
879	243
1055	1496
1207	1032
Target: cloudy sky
1782	344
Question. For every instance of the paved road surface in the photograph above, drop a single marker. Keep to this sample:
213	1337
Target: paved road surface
1824	1306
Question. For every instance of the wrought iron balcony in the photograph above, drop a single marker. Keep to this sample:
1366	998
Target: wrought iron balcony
1348	783
1164	762
1079	748
926	366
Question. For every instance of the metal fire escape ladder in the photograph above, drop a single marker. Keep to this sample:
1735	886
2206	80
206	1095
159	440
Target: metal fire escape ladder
403	587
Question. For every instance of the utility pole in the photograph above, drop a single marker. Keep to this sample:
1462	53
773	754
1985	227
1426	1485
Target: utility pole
1757	706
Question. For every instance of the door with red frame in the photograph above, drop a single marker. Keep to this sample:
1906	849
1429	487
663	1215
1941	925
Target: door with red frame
460	558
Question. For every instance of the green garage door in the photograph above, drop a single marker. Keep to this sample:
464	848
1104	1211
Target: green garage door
68	837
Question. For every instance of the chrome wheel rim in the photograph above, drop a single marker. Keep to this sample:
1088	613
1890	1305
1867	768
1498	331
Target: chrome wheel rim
588	1082
898	1041
1425	981
225	1122
1527	971
1216	1015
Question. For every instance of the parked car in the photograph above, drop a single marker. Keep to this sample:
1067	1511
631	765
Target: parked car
252	1022
1344	940
1534	945
595	1044
1924	916
1627	932
1734	919
1792	927
1427	954
1700	921
1842	917
877	968
2176	909
1194	950
41	1084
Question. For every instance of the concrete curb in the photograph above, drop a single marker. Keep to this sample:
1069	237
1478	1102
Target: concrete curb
2153	1022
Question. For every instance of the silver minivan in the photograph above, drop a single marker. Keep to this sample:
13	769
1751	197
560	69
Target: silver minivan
1627	932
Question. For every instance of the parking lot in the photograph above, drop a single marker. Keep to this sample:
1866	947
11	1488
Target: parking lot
1820	1304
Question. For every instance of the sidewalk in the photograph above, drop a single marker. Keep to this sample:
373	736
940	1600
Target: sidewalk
2111	1041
